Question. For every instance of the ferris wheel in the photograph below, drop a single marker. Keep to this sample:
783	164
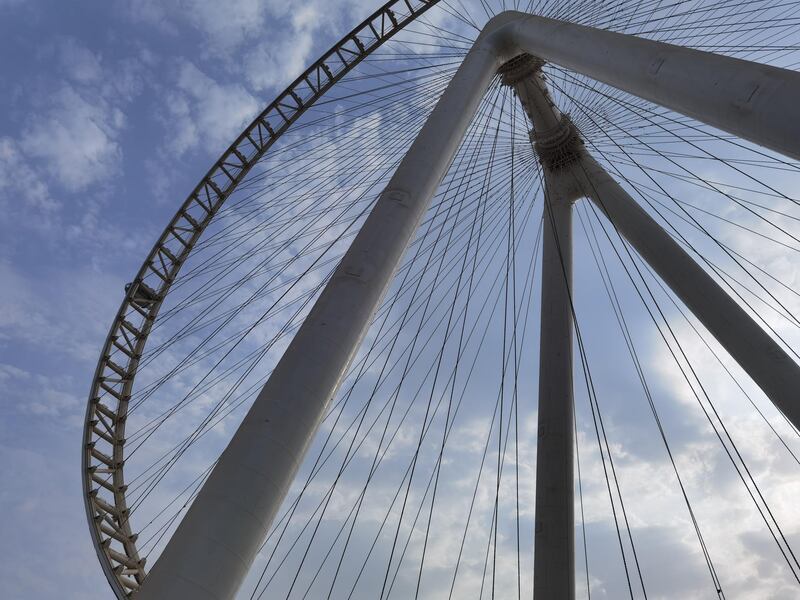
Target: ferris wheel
357	362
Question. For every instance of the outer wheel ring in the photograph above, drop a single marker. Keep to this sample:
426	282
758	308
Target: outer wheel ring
103	450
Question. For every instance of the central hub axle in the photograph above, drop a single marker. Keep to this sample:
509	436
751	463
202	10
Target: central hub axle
555	138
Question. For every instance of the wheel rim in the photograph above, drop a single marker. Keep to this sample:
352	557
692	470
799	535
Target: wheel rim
103	455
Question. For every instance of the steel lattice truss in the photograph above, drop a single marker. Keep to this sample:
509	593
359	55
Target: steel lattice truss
104	455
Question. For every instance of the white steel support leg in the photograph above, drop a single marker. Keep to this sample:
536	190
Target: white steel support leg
211	552
754	101
554	534
554	538
756	352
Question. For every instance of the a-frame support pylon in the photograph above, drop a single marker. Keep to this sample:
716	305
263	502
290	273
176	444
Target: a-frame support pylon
211	552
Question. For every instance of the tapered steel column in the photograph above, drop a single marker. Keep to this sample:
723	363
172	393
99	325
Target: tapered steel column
756	352
554	552
211	552
557	144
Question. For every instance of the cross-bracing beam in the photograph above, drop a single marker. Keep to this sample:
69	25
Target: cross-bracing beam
211	552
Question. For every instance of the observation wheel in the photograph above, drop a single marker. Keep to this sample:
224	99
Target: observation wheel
323	380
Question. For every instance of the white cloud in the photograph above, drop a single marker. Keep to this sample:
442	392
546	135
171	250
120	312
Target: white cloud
202	112
278	60
79	63
38	395
224	25
19	180
738	539
44	529
72	133
29	319
76	139
10	372
235	29
228	23
82	123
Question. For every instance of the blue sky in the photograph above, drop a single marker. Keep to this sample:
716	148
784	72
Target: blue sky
111	112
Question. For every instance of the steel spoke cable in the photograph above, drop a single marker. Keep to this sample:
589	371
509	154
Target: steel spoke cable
736	381
511	244
250	232
209	305
468	295
419	444
220	404
723	274
244	279
742	471
355	138
250	254
729	438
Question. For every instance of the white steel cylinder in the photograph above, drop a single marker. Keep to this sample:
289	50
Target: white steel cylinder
554	537
756	352
213	548
757	102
